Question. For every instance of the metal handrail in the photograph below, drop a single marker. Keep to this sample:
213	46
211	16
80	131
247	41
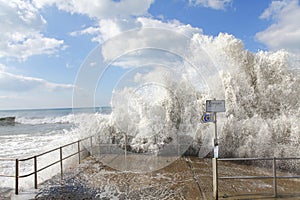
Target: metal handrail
55	149
17	161
273	176
249	159
9	176
7	159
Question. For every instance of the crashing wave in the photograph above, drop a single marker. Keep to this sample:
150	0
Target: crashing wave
261	91
66	119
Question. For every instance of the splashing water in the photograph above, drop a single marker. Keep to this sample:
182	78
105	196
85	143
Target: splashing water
261	90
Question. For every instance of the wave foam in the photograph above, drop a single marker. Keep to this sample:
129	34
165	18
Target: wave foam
46	120
262	104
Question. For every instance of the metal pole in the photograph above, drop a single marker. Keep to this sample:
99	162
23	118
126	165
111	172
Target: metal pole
274	178
78	151
35	173
17	177
215	177
216	147
61	163
216	130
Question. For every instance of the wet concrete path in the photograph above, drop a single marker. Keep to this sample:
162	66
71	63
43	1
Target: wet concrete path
186	178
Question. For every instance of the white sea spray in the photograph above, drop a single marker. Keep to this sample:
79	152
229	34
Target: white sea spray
261	91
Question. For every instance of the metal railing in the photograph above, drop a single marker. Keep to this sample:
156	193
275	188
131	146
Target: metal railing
36	170
274	172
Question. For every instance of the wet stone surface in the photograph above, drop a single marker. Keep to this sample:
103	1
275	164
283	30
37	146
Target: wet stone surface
186	178
93	180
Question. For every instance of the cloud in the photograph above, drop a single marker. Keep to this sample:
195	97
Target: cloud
214	4
108	28
122	16
18	91
16	83
175	25
20	35
29	44
100	9
2	67
147	57
170	35
284	32
111	17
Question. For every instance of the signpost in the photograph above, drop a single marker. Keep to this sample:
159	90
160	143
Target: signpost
212	107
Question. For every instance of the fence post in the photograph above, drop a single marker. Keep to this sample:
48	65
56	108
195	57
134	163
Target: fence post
17	177
215	177
35	173
274	177
78	151
61	163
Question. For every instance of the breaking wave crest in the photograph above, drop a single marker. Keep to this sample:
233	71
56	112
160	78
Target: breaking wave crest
261	91
46	120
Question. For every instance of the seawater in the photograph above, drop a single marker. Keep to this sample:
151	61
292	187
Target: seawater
37	131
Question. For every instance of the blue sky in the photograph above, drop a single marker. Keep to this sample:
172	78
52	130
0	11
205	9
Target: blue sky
43	43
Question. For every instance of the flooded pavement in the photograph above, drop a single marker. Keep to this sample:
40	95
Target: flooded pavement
186	178
93	180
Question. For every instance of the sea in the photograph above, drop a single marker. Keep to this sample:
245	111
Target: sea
36	131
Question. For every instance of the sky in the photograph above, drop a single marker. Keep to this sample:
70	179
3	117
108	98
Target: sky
43	43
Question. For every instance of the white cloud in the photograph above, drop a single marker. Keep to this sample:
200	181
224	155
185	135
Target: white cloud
3	97
214	4
108	28
18	91
101	9
90	30
2	67
167	35
146	57
16	83
112	17
284	33
29	45
20	35
175	25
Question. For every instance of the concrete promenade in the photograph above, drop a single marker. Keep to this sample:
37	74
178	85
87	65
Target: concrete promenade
186	178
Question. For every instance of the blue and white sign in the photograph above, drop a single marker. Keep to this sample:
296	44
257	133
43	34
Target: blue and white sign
207	117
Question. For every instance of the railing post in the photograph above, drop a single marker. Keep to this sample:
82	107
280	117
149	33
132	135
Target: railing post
91	140
61	163
17	177
215	177
78	151
274	177
35	173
